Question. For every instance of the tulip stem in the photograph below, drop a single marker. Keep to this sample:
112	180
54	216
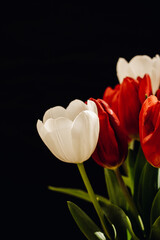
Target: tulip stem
129	198
92	197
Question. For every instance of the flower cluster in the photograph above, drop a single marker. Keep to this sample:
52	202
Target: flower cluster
103	127
108	130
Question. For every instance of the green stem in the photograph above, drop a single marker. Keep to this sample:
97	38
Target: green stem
92	197
129	198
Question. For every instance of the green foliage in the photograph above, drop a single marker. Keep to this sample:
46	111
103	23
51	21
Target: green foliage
138	167
115	193
132	211
77	193
155	210
147	190
85	223
119	220
155	230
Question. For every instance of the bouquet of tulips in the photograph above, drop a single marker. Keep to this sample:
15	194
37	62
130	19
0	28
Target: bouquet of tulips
121	132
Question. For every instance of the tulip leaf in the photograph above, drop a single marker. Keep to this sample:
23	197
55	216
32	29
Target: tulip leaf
138	167
85	223
119	220
155	230
114	191
147	191
77	193
117	197
127	181
130	167
155	211
158	183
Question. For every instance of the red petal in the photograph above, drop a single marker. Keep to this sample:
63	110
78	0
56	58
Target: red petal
145	88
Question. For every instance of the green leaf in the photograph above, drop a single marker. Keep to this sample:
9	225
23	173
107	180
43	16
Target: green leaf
119	219
85	223
130	167
117	197
158	183
138	167
155	230
147	191
114	191
76	193
155	211
127	181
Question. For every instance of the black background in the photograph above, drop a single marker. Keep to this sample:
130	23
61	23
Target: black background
52	53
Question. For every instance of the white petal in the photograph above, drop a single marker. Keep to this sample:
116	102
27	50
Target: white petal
54	113
155	80
60	136
47	139
41	129
74	108
140	65
155	74
85	134
123	70
92	106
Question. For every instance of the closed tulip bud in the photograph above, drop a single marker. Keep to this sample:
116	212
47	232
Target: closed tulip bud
112	144
149	128
71	134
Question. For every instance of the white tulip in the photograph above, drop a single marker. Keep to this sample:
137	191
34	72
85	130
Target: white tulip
71	134
139	66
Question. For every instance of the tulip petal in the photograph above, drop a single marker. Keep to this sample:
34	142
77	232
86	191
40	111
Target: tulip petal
54	113
74	108
124	70
149	126
155	74
46	138
140	65
145	88
85	133
41	129
92	106
129	106
56	134
61	137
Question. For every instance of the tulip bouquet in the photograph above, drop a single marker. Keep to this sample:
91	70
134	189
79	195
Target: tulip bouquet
121	132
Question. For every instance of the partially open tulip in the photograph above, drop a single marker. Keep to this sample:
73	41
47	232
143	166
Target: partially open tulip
71	134
126	100
138	66
131	96
149	128
112	146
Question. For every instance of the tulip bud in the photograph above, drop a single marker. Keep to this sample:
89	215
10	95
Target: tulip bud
149	129
71	134
112	144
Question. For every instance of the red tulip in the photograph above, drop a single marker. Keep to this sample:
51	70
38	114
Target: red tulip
132	94
149	128
112	144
